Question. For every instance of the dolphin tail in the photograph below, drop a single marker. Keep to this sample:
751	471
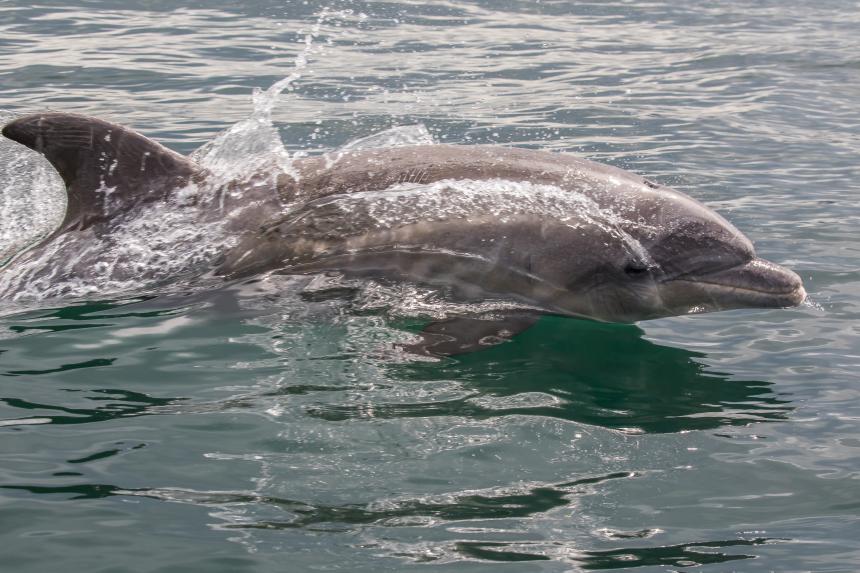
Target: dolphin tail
107	168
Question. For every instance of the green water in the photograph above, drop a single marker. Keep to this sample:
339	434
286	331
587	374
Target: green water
250	429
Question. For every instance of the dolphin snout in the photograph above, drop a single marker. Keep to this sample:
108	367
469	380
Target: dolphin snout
757	283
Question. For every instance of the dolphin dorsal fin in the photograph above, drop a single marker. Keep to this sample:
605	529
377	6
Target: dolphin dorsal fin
107	168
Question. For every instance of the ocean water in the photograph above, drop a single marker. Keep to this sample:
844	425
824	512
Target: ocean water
261	428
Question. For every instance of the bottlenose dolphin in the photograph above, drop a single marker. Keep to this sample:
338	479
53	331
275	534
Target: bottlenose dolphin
553	232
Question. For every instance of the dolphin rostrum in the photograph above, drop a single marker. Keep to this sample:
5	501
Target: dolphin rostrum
550	231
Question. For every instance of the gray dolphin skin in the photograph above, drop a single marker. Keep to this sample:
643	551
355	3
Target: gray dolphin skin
550	231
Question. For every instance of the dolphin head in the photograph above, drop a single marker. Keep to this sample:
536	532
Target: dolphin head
663	253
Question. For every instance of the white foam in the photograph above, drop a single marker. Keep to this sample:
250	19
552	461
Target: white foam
32	198
452	199
162	242
400	136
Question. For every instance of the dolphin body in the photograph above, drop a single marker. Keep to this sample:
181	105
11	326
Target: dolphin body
550	231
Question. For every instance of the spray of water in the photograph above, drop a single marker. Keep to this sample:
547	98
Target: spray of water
254	144
32	197
158	244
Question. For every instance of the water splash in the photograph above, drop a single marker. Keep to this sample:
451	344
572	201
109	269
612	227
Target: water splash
160	243
449	199
254	144
401	136
32	197
501	199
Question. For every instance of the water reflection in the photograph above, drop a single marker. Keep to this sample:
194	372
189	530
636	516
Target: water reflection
111	404
600	374
463	509
580	371
295	514
682	555
94	313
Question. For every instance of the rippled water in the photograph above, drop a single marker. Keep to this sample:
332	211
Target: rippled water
257	429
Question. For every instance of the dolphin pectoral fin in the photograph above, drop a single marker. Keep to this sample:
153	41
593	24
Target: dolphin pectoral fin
107	168
462	335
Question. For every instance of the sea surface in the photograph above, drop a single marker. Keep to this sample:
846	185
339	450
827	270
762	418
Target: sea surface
257	428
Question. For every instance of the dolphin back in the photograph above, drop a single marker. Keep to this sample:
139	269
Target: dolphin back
107	168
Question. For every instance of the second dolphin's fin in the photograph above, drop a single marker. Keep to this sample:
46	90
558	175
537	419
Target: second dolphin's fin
107	168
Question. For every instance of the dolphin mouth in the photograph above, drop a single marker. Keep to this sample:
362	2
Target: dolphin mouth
755	284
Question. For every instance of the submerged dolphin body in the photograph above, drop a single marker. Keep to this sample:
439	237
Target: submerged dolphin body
550	231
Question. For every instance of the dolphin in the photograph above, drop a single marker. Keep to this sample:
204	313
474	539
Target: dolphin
554	233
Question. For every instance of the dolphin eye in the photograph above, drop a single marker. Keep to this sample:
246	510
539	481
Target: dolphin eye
635	269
